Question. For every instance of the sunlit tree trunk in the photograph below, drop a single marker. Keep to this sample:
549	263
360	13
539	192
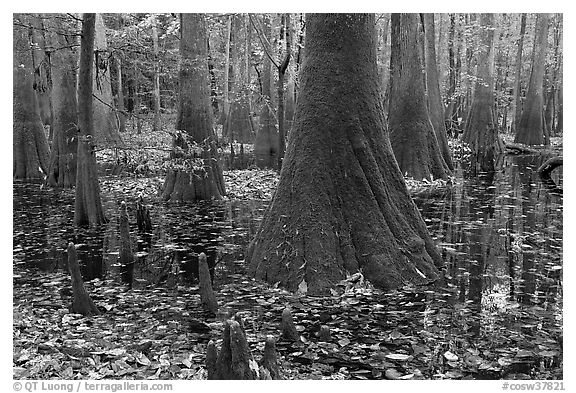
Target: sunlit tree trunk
266	143
156	76
481	131
530	128
88	206
435	105
341	204
518	78
105	119
195	119
411	132
283	61
29	145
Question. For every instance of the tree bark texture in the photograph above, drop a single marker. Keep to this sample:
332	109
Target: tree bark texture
29	145
481	131
234	360
530	129
435	105
42	77
266	143
105	120
88	206
63	63
195	118
411	132
341	204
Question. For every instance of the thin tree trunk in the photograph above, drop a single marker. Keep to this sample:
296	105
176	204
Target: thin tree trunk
283	66
226	82
156	76
518	85
120	96
266	143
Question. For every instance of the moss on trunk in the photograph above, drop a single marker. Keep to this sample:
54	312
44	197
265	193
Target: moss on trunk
341	204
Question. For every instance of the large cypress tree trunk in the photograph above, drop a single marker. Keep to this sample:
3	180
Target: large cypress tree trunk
435	105
530	129
105	117
42	77
88	206
341	204
62	169
481	131
266	143
195	120
411	132
29	145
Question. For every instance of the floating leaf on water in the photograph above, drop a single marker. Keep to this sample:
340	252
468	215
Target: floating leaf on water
343	342
392	373
451	357
398	356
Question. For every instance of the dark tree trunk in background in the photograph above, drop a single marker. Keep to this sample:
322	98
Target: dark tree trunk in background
435	105
266	144
411	132
88	206
195	119
29	145
62	169
480	131
341	204
518	86
530	128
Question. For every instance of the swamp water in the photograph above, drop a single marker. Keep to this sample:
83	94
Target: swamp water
500	235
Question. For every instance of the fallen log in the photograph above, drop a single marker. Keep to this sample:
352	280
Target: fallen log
519	148
545	173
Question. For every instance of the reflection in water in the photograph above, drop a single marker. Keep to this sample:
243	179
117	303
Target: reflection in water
500	234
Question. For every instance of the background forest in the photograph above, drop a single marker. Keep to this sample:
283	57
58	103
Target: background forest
155	163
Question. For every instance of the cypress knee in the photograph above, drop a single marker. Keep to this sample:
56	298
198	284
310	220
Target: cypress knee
207	296
289	331
81	302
